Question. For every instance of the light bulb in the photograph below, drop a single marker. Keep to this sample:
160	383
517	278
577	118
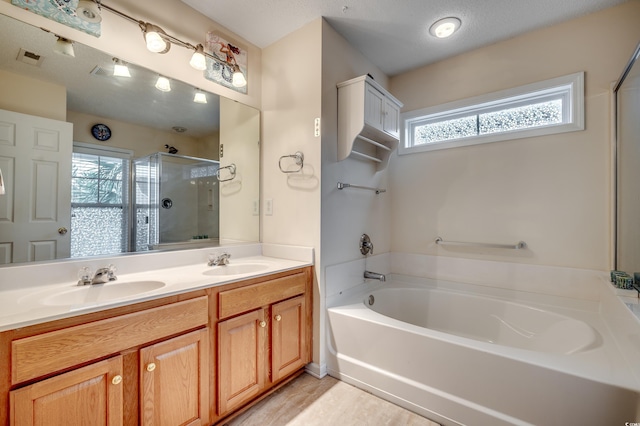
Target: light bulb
163	84
238	79
120	69
153	36
200	97
155	43
198	61
88	11
64	47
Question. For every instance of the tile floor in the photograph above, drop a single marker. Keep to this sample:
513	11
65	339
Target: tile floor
307	401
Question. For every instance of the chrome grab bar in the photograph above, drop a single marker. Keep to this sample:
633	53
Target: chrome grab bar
299	159
348	185
232	171
517	246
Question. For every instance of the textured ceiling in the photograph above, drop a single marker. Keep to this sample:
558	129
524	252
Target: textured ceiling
133	100
394	34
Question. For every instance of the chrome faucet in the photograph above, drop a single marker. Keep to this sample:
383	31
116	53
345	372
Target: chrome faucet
375	276
102	275
219	260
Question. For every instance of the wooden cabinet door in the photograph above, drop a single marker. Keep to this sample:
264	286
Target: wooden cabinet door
174	386
289	337
241	359
90	395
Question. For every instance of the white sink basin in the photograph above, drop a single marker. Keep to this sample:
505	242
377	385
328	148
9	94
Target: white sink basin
236	269
100	293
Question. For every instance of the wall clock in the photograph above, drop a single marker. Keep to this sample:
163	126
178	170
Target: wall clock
101	132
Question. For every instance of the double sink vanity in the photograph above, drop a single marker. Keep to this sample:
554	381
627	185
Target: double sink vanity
172	340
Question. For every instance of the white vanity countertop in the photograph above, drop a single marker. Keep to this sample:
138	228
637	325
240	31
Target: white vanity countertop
23	302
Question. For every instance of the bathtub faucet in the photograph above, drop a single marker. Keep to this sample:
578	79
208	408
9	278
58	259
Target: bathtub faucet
375	276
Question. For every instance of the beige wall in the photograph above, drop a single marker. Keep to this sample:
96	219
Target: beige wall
140	139
209	146
553	192
346	214
30	96
291	101
123	39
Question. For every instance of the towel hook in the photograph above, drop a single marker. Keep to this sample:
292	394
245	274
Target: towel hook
299	158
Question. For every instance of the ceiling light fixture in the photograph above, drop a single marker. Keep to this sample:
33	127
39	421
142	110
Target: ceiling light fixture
64	47
155	37
163	84
120	68
198	61
159	41
200	97
445	27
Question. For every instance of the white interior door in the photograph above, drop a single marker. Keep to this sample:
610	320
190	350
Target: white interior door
35	211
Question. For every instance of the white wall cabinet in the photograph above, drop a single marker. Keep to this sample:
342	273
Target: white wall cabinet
368	121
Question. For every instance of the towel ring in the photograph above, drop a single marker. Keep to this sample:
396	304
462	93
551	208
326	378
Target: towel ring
232	171
298	156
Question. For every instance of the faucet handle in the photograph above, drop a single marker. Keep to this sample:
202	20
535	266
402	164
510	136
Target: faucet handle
84	275
112	272
366	246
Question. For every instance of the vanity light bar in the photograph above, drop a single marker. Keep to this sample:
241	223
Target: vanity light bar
159	41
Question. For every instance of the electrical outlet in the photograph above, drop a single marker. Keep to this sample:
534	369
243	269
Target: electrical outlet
256	207
268	207
316	127
221	150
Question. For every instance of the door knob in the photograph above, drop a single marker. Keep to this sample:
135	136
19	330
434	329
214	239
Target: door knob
62	230
116	379
151	366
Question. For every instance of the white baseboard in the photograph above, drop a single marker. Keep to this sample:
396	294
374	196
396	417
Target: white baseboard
316	370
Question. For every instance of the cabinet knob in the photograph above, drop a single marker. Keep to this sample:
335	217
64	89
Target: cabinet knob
62	230
263	324
116	379
151	366
278	317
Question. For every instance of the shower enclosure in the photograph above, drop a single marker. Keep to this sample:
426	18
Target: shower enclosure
176	201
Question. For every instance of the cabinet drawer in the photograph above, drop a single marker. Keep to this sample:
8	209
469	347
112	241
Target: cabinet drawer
47	353
244	299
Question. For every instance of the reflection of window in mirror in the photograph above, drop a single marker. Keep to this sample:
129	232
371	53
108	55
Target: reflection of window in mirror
99	200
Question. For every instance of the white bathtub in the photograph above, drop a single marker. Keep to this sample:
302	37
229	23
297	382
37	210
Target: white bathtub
462	357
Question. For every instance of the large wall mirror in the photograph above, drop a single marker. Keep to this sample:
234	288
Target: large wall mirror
162	170
627	97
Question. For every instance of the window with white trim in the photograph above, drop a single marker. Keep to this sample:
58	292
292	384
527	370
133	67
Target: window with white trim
543	108
99	200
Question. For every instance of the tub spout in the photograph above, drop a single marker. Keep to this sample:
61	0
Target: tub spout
375	276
